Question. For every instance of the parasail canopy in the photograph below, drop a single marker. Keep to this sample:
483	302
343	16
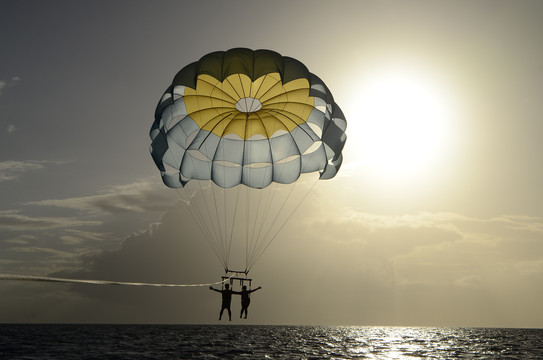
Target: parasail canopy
244	118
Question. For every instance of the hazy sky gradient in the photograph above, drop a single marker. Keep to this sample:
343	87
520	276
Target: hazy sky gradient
456	243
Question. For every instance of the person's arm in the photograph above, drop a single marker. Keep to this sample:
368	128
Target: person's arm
258	288
212	288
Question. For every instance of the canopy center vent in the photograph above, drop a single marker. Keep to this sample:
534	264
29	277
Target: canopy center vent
248	105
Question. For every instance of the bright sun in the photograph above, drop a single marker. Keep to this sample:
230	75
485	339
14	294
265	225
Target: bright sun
403	124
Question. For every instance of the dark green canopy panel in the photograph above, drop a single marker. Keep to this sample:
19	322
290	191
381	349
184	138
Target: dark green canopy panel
246	117
254	64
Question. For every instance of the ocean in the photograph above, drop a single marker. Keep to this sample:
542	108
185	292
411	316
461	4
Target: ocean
117	342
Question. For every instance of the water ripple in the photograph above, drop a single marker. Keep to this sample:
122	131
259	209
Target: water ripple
158	342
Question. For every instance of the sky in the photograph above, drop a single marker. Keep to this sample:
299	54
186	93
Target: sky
434	219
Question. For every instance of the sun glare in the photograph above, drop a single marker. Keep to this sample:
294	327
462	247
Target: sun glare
403	124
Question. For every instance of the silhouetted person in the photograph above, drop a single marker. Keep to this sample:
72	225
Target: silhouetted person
226	300
245	299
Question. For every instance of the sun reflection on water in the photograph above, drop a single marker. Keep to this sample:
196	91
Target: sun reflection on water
407	343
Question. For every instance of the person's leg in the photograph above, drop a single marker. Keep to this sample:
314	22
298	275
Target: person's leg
229	314
220	315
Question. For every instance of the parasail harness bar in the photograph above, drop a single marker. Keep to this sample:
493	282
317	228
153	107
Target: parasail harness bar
232	275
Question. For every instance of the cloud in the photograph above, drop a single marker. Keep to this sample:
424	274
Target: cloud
516	222
351	268
100	222
167	252
356	226
8	83
42	257
24	239
45	251
132	198
469	281
13	220
13	170
85	235
530	267
358	223
432	248
79	237
4	84
104	221
373	222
